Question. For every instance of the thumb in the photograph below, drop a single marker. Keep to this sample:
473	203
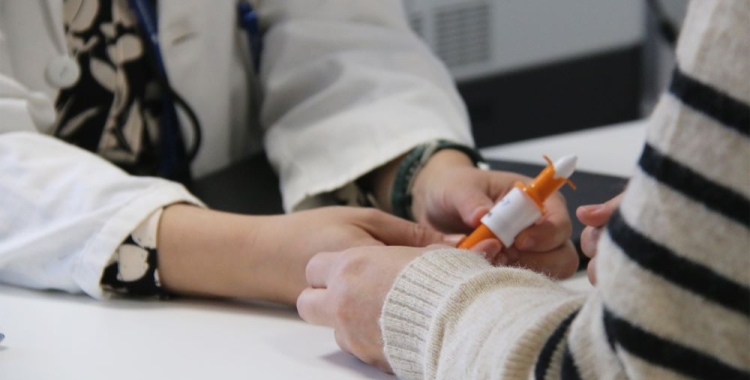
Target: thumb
472	205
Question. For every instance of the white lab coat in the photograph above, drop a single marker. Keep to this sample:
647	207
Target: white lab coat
346	88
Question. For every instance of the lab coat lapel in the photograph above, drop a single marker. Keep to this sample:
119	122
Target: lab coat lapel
181	34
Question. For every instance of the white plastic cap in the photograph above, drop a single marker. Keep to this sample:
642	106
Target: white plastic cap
565	166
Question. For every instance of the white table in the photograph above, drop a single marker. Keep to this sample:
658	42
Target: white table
612	150
57	336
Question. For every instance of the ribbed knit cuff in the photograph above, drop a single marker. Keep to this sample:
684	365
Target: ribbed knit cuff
418	292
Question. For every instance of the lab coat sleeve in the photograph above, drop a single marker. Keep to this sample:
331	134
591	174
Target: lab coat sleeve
348	88
63	210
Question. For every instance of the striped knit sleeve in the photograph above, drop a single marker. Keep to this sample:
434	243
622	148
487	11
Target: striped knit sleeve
674	294
673	298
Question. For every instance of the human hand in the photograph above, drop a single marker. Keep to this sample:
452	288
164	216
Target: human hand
347	292
595	217
452	195
294	238
211	253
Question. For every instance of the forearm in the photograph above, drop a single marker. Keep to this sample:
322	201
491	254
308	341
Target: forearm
212	253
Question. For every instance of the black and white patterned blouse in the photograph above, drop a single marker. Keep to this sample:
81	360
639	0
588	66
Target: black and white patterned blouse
114	110
115	107
133	269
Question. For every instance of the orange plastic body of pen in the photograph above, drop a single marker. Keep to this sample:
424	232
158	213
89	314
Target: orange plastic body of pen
522	206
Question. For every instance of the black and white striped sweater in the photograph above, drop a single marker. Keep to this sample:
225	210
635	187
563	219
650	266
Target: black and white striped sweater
673	298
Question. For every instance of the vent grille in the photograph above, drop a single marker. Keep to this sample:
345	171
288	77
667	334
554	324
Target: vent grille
462	34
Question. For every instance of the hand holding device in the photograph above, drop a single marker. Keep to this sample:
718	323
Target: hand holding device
523	205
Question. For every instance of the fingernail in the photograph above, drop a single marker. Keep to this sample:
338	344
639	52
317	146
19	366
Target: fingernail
453	239
592	209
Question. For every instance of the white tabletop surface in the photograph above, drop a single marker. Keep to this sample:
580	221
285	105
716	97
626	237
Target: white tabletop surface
51	335
58	336
71	337
610	150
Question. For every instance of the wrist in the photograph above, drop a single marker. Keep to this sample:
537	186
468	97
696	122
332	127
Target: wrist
379	183
275	259
438	165
210	253
413	165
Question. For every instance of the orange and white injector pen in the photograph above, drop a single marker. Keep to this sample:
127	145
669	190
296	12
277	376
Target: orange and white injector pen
523	205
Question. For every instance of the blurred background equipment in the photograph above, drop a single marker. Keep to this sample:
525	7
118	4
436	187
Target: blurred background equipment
534	68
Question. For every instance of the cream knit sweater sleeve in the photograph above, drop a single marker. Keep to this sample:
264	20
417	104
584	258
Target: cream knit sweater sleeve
673	299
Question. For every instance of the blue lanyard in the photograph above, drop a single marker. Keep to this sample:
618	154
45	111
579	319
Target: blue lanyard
248	20
173	163
174	160
145	12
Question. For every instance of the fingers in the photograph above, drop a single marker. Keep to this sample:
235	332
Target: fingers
598	215
591	271
560	262
472	204
551	232
489	248
320	269
453	239
595	217
312	303
312	306
589	240
392	230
